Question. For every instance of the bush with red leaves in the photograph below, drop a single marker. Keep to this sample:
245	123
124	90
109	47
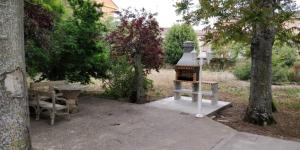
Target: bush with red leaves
138	32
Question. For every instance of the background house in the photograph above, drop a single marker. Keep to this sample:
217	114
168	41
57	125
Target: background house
109	7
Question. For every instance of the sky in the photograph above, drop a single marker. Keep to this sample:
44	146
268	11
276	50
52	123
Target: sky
165	9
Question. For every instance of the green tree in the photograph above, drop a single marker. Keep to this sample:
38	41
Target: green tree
77	50
174	40
38	29
53	6
254	22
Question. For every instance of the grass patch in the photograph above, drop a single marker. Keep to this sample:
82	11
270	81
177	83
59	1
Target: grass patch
289	93
287	105
287	98
240	92
294	106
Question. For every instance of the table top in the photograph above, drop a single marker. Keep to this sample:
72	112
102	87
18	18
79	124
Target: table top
69	87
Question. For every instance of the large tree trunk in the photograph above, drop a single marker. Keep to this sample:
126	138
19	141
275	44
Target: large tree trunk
14	114
259	110
138	94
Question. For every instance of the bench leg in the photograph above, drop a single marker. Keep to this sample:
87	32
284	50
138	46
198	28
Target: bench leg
69	117
195	89
215	90
52	116
177	87
37	113
68	113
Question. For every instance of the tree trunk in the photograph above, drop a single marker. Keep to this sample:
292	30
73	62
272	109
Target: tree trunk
259	110
14	114
138	94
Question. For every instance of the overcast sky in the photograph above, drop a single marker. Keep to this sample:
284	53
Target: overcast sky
165	9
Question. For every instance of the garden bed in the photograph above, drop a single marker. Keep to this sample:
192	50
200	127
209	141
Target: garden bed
287	127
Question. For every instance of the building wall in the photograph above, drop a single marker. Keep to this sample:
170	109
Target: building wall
109	7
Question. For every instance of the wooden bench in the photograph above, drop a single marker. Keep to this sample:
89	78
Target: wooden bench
43	97
195	90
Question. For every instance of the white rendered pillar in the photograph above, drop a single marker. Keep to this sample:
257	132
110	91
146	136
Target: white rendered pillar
199	113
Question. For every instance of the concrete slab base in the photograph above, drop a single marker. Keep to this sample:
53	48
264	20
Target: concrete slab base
186	105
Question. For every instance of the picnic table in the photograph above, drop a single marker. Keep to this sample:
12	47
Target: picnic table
71	93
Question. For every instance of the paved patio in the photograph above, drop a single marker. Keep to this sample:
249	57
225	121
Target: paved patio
110	125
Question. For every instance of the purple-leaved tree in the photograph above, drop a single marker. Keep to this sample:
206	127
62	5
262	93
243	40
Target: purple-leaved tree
138	37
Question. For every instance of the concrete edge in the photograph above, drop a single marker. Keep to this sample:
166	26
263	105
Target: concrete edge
224	141
219	110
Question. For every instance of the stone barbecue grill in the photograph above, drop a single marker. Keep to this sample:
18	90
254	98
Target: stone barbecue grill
187	68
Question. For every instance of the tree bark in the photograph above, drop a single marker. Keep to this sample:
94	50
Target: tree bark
260	109
14	114
138	94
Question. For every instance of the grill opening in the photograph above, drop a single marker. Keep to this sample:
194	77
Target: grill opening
187	76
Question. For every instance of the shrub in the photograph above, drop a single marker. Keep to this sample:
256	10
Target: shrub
220	64
284	55
283	60
295	75
120	79
174	40
243	70
226	54
280	74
